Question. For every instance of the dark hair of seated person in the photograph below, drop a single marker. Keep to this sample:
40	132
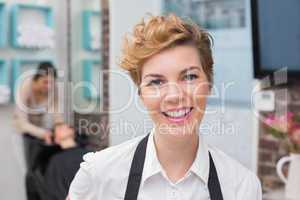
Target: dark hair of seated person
45	68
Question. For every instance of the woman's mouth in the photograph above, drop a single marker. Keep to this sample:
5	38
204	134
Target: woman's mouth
178	115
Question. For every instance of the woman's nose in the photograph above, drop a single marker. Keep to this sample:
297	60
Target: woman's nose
173	93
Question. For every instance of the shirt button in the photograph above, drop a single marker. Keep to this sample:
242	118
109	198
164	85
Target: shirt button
174	194
205	187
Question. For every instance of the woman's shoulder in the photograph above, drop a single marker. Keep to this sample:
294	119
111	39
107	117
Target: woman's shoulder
120	154
101	167
232	171
227	161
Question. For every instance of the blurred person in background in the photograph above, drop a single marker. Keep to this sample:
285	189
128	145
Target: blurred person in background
53	181
63	166
35	115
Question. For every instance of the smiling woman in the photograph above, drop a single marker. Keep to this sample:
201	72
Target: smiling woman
170	61
176	94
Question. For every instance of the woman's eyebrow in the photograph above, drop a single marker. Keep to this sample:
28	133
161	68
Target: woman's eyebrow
153	75
190	68
182	72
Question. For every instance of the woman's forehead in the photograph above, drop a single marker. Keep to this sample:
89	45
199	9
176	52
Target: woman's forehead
177	72
172	60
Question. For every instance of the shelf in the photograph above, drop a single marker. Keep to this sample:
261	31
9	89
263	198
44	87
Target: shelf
2	24
4	73
32	20
5	90
92	79
91	27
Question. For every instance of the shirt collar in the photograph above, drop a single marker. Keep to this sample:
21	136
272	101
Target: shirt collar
152	165
200	166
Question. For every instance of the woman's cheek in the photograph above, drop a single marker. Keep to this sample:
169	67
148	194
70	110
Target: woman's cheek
200	95
152	105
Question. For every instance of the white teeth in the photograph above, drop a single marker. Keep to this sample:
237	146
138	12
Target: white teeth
179	113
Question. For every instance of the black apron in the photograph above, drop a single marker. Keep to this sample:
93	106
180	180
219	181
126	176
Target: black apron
136	171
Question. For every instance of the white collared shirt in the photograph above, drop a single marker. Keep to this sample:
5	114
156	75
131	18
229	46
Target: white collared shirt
103	176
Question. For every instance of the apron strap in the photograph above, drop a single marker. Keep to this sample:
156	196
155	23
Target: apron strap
136	172
214	187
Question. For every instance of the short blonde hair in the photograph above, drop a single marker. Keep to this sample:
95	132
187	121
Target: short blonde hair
162	32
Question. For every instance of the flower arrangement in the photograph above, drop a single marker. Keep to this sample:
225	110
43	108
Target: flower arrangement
286	128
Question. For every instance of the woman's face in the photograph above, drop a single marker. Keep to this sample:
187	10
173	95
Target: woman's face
44	83
174	88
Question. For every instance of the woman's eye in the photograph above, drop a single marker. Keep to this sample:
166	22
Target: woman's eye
190	77
155	82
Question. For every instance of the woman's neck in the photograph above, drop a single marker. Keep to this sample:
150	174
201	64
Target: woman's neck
176	153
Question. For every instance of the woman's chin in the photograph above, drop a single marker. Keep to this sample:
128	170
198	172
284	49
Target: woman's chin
176	130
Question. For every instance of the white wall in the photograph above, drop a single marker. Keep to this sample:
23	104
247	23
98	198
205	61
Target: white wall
130	121
12	169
